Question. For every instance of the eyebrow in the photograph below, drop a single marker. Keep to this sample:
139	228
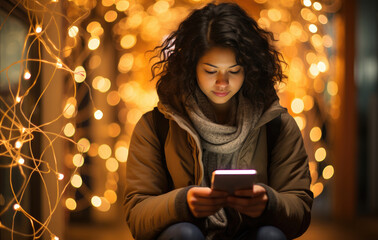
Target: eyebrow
211	65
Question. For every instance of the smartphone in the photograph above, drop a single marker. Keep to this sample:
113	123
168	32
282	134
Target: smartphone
233	179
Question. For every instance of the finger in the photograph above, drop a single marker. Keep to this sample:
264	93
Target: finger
218	194
208	201
258	190
206	192
244	193
246	202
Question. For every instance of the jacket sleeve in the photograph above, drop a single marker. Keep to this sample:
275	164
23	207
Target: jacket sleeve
288	188
150	206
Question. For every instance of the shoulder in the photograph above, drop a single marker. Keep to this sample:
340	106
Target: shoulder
145	125
288	122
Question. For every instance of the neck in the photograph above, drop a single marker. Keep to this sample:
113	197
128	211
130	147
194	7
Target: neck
223	111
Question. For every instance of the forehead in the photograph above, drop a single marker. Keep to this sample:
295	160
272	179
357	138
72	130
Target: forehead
219	55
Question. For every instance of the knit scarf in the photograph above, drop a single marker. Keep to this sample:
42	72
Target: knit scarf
221	145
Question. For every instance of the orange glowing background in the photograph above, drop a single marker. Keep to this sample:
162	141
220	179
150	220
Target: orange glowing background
88	60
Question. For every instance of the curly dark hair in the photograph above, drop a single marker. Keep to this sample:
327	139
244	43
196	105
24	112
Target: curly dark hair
223	25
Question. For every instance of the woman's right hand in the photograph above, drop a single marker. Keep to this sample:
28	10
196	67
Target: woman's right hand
204	201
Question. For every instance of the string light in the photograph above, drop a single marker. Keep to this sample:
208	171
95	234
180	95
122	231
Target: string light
76	181
80	74
18	144
16	207
18	99
27	75
60	176
73	31
38	29
98	114
59	63
21	161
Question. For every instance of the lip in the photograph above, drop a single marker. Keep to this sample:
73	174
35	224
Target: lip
221	94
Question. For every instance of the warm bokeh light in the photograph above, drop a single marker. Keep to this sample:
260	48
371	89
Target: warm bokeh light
107	3
121	153
114	129
113	98
94	43
297	105
128	41
317	188
111	196
78	160
307	3
105	205
122	5
69	130
73	31
60	176
20	161
83	145
104	151
38	29
323	19
98	114
301	122
96	201
69	110
112	165
126	63
101	83
80	74
308	102
18	144
320	154
16	206
27	75
317	6
76	181
315	134
313	28
70	204
328	172
332	88
110	16
274	15
117	33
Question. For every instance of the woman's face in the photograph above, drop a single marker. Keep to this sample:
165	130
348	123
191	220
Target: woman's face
219	76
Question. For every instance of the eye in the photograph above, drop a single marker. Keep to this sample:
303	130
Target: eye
235	72
210	72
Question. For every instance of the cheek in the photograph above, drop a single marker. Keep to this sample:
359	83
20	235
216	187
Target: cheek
239	82
203	80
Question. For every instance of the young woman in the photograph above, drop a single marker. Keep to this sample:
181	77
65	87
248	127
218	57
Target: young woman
216	92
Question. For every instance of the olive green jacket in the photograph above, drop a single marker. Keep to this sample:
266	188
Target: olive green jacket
155	195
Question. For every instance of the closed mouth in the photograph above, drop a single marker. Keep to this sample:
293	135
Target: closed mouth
221	94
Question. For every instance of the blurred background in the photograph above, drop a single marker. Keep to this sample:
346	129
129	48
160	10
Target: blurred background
75	78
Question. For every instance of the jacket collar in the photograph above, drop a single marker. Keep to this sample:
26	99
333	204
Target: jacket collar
271	113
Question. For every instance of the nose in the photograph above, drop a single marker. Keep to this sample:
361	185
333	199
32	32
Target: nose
222	80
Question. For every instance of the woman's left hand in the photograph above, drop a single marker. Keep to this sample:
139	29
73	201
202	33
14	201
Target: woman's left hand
249	202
